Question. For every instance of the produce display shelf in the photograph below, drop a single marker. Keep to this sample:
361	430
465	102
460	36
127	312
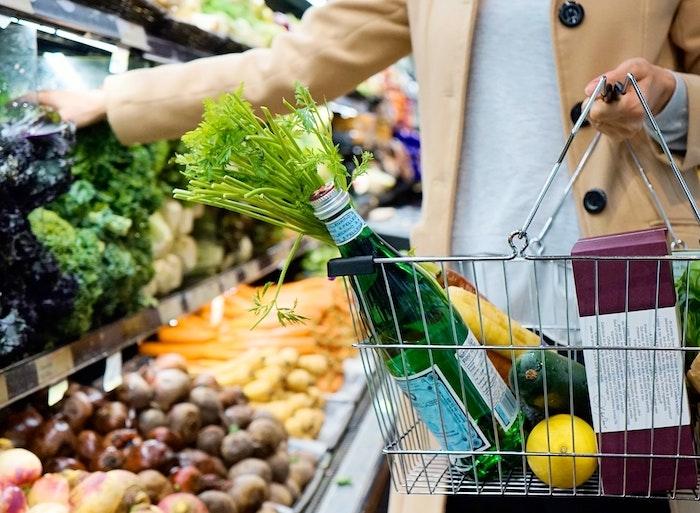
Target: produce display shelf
354	467
43	370
95	23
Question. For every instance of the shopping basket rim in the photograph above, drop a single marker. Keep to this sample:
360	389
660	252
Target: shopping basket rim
676	257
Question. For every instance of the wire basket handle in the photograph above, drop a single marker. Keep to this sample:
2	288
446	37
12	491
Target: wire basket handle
519	239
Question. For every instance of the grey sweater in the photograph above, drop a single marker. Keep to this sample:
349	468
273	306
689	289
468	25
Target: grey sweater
513	134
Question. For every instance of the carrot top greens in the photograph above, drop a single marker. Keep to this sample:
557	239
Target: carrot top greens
266	167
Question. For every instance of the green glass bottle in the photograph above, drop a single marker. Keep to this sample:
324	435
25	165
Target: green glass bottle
450	390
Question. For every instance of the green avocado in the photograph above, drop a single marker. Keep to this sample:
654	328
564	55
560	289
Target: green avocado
564	378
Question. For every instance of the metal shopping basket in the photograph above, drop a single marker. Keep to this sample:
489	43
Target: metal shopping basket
633	380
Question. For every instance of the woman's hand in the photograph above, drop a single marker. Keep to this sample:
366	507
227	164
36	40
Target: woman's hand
80	107
624	118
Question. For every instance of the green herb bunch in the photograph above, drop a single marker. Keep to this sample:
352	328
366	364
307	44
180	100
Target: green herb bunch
257	165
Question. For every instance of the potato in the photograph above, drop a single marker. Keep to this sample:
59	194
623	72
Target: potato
300	400
210	438
249	492
280	494
317	397
171	386
206	380
267	435
185	420
279	464
290	355
253	466
316	364
296	428
240	415
239	375
231	396
209	404
259	390
299	380
237	446
293	488
218	502
301	472
282	410
272	373
305	423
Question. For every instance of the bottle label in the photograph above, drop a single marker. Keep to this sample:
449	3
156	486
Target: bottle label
485	378
346	226
440	408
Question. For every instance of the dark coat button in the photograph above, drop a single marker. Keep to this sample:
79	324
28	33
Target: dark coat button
594	201
571	14
576	112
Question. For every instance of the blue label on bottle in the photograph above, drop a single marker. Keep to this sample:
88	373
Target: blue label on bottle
346	227
441	410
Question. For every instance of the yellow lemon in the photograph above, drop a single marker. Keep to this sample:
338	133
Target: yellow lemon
567	435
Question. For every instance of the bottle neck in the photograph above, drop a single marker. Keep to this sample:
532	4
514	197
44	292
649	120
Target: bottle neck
346	226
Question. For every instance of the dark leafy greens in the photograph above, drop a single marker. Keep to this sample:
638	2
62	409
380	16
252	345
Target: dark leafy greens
34	169
115	192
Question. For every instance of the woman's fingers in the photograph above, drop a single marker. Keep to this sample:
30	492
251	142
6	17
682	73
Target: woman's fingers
624	118
638	66
80	107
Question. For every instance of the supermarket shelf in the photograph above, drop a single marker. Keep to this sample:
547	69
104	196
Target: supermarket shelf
190	42
43	370
354	466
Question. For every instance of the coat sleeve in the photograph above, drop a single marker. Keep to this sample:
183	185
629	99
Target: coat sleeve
335	47
685	35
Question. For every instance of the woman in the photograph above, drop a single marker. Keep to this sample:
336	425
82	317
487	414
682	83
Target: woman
499	81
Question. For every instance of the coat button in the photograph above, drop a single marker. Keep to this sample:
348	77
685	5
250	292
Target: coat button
594	201
571	14
576	112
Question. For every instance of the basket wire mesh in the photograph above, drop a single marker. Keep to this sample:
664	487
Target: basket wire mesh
420	464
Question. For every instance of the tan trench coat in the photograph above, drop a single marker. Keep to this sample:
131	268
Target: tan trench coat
341	44
348	40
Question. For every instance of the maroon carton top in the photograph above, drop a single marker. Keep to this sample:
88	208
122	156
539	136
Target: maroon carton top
615	285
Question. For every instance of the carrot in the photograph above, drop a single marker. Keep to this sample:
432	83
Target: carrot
185	335
276	332
212	351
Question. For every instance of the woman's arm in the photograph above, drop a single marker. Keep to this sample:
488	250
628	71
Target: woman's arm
685	34
334	48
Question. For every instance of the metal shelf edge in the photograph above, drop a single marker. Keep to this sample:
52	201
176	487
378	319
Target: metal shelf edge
40	371
94	22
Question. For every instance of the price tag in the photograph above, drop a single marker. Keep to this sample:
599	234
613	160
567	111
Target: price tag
202	294
132	35
113	372
217	310
119	62
3	390
170	308
19	5
57	391
53	366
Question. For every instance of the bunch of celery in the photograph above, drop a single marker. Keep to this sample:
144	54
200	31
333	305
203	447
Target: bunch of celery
257	165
